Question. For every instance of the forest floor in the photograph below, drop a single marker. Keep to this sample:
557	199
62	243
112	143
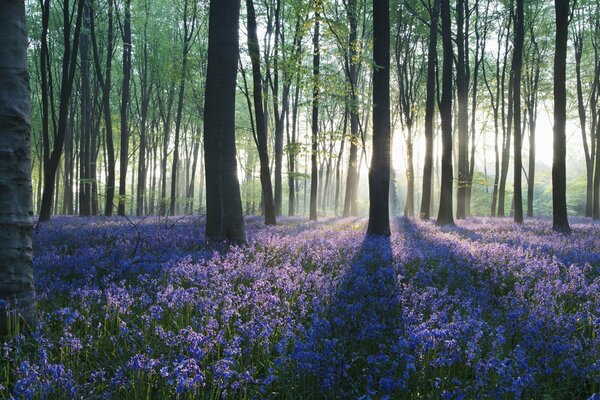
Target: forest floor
145	308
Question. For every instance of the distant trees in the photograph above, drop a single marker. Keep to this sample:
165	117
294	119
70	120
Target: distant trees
119	94
17	292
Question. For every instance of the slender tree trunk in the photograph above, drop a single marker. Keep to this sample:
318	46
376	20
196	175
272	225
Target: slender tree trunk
105	86
261	122
17	292
589	165
429	112
145	89
409	209
188	31
85	134
125	96
350	203
462	94
292	151
315	118
445	210
518	143
559	182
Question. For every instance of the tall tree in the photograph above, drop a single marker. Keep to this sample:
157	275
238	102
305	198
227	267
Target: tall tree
189	26
379	172
224	218
105	82
445	216
145	93
462	94
531	96
315	116
560	220
518	143
85	133
261	122
17	292
430	110
352	69
125	98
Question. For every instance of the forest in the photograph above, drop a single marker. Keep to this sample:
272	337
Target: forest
300	199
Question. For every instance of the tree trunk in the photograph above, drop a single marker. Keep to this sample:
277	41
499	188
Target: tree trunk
589	166
17	292
559	182
462	94
85	133
429	112
518	143
261	122
445	210
224	219
188	32
379	172
125	93
315	119
145	89
105	86
350	203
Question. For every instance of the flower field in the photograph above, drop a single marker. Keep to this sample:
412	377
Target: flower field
146	309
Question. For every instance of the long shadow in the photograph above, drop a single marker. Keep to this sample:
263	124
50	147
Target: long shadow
445	266
344	343
566	254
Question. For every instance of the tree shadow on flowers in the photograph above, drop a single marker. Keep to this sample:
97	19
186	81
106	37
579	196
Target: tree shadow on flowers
351	349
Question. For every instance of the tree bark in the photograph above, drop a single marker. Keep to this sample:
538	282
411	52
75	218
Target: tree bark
518	143
462	94
445	210
224	219
261	122
350	203
125	97
315	118
17	292
560	222
429	111
379	172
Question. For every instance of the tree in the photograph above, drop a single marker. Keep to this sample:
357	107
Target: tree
125	97
462	94
17	292
224	219
379	172
429	110
261	122
189	28
445	211
410	71
315	117
518	143
560	222
352	69
105	83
